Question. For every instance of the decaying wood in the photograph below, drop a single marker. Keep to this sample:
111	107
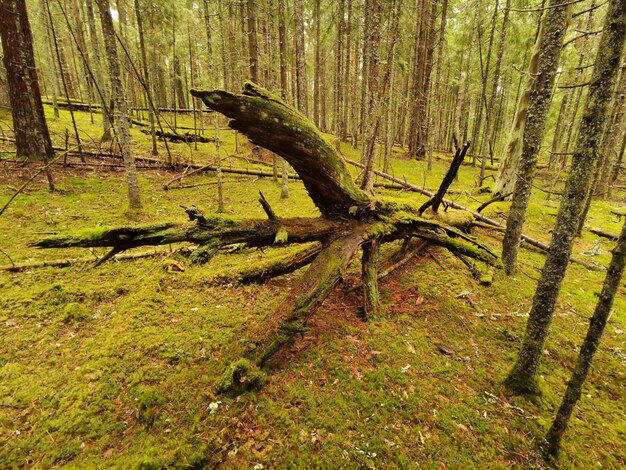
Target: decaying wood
478	216
350	220
457	160
604	233
177	137
65	263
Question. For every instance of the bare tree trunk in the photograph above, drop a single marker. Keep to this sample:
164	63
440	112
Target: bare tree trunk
344	89
522	378
252	42
482	101
97	67
317	72
611	139
556	22
282	39
206	12
370	117
56	87
490	123
301	82
439	131
146	76
121	118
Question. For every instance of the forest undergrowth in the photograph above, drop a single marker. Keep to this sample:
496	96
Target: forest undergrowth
116	366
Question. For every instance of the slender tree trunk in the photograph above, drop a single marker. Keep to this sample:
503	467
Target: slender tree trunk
121	117
484	72
301	81
56	87
589	346
316	72
97	67
252	42
345	88
557	19
439	131
522	378
375	12
611	139
209	41
282	39
146	76
491	108
338	95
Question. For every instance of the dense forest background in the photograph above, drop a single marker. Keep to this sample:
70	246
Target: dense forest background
430	73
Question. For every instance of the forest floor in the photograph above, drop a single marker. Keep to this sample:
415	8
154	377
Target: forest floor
115	367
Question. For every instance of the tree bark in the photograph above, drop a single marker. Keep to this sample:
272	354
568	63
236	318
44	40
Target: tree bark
509	164
32	138
589	347
252	42
121	118
556	22
301	81
522	378
612	136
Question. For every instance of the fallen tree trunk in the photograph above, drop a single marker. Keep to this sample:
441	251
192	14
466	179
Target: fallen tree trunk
350	220
176	137
604	233
478	216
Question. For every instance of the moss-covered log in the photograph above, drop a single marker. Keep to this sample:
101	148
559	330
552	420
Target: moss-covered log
271	123
218	230
350	220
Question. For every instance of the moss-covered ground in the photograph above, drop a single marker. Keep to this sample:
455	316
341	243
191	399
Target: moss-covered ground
117	366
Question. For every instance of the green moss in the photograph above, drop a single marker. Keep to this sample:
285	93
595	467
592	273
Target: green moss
156	342
75	313
241	376
456	218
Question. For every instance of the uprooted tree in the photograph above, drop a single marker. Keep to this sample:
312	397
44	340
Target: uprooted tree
350	219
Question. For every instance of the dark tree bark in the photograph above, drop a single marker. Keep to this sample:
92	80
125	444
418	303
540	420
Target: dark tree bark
522	378
32	138
556	22
589	347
